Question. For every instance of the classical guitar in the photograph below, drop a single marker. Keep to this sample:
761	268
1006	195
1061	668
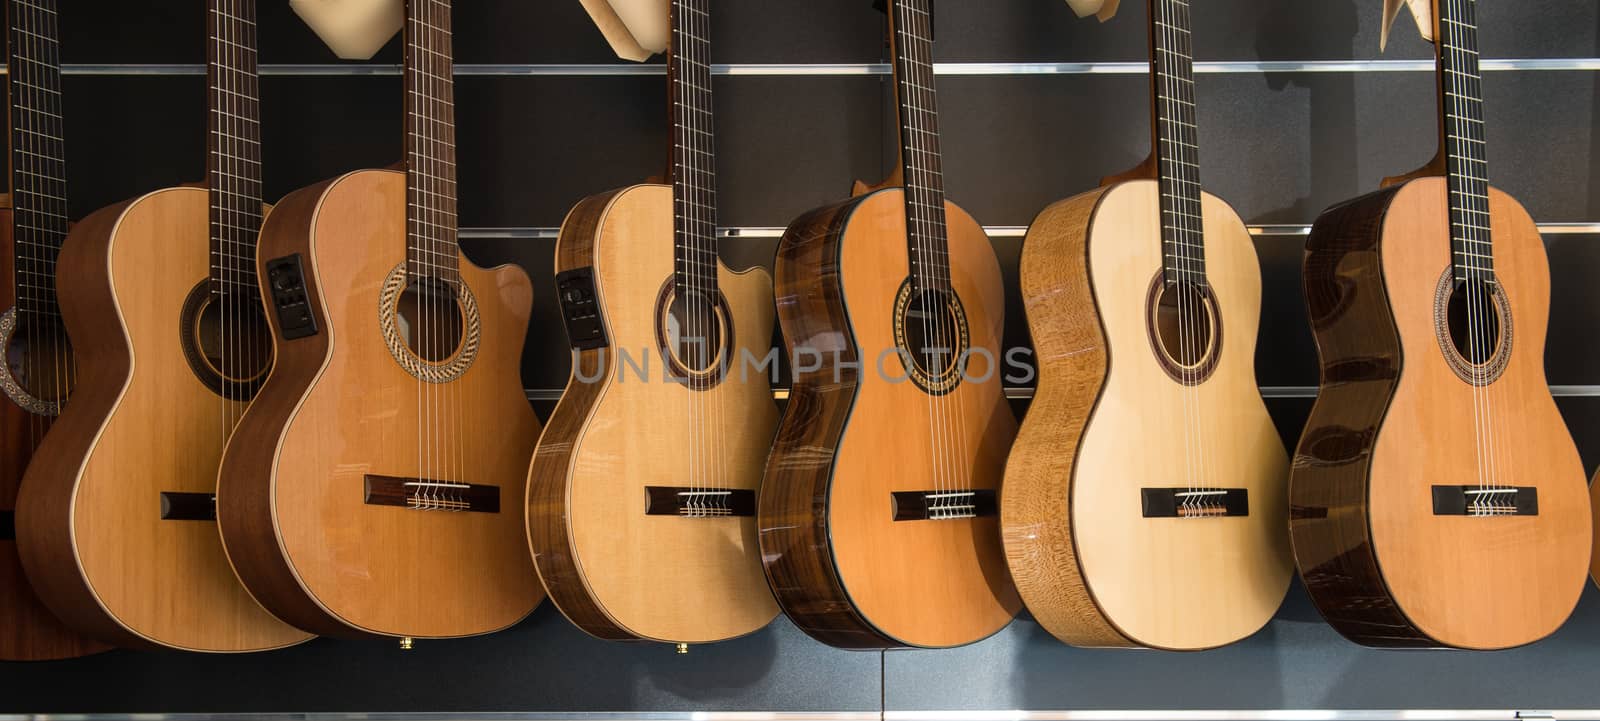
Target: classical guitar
642	495
878	514
1145	496
376	488
118	530
36	374
1437	498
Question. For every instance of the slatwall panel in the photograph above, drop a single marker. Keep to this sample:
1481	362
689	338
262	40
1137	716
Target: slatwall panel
1279	145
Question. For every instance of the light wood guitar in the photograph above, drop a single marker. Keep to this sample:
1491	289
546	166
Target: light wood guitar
1144	500
376	488
641	498
878	513
1437	497
36	372
117	523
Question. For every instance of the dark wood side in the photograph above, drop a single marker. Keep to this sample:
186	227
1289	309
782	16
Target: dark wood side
792	508
1359	348
1070	349
44	507
244	482
28	630
548	480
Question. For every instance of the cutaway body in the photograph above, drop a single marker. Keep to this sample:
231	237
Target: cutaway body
142	428
1113	426
1397	420
842	565
313	502
630	426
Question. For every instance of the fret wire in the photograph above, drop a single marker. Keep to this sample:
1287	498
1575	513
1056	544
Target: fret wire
38	181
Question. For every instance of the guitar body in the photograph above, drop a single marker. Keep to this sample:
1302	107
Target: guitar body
300	515
1108	420
843	569
141	424
613	569
28	630
1394	421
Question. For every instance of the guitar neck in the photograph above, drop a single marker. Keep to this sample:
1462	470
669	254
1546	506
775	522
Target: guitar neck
911	32
431	224
694	156
1462	137
38	158
1177	147
233	160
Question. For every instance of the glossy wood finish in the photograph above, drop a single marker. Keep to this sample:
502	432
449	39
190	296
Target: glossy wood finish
338	407
846	444
1393	419
28	630
140	423
661	578
1072	361
1098	572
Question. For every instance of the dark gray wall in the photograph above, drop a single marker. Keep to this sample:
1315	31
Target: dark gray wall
1280	146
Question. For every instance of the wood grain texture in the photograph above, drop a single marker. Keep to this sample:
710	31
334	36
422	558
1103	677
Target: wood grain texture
792	508
1176	583
931	583
28	630
1072	358
1434	566
347	568
140	423
663	578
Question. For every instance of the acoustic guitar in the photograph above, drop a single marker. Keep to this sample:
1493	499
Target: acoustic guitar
1437	498
118	527
878	513
36	375
376	488
642	495
1145	497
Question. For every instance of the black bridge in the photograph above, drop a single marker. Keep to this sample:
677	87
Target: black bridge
943	505
699	502
1485	501
427	494
188	506
1195	502
8	526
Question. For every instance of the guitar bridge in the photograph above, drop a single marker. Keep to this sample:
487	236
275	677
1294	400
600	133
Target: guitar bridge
427	494
943	505
1475	501
1194	502
188	506
699	502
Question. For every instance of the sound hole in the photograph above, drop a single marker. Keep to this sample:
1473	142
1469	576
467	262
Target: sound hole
933	334
695	331
233	337
39	357
1183	323
1474	321
430	319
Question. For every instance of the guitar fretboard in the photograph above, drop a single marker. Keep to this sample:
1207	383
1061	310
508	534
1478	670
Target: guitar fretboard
234	147
431	250
38	158
1461	102
694	156
912	25
1177	142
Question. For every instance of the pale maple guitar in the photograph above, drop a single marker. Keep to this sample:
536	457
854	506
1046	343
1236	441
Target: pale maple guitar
36	375
878	512
118	527
376	488
1437	497
642	495
1145	496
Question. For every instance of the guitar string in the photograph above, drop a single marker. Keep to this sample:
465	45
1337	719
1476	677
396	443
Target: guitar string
1201	329
414	241
1173	224
684	226
716	341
